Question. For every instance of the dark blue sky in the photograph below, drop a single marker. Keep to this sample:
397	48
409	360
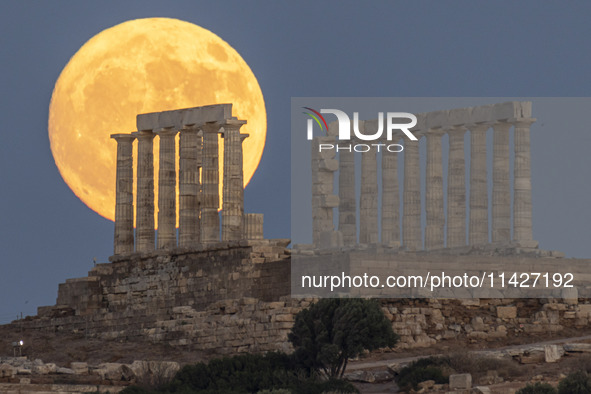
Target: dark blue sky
303	48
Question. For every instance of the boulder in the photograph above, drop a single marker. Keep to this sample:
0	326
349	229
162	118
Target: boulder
65	371
460	381
506	312
360	376
7	371
79	368
553	353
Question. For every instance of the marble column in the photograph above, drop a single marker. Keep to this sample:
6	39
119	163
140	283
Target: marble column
368	202
411	220
347	198
324	201
522	202
390	197
210	220
478	230
501	194
456	189
253	226
124	194
189	186
167	189
434	231
233	184
145	235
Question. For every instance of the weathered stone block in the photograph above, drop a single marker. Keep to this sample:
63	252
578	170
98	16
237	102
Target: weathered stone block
506	312
460	381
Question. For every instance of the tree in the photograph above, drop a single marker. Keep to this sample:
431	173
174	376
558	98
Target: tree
333	330
576	383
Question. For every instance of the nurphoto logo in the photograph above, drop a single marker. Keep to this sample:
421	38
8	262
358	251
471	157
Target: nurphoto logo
344	132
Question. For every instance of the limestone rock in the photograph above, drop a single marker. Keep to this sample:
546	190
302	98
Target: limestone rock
553	353
427	384
65	371
460	381
7	371
79	368
360	376
507	312
578	347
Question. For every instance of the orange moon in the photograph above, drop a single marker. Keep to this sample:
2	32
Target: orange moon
140	66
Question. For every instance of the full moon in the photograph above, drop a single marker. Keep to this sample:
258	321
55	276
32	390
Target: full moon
140	66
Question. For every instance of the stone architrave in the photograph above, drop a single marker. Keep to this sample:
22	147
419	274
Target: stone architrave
478	230
456	189
522	202
124	240
145	235
167	190
233	184
434	231
501	193
189	186
210	219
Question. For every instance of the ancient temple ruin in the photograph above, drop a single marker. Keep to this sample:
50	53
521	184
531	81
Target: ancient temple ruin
198	182
442	230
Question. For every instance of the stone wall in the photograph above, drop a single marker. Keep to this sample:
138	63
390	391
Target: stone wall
233	298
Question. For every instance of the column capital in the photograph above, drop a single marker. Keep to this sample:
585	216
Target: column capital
190	128
501	125
123	137
435	132
456	130
236	123
479	127
232	125
143	134
210	127
166	131
521	122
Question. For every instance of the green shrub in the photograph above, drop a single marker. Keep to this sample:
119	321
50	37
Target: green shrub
576	383
538	388
244	373
276	373
431	368
333	330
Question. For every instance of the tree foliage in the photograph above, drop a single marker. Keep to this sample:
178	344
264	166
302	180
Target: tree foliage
537	388
576	383
333	330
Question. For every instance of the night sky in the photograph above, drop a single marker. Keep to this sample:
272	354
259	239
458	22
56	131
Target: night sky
296	49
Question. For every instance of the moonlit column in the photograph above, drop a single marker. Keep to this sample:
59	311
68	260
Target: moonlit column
478	232
390	196
145	191
411	221
434	231
522	202
456	189
233	184
210	220
189	186
124	194
167	190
